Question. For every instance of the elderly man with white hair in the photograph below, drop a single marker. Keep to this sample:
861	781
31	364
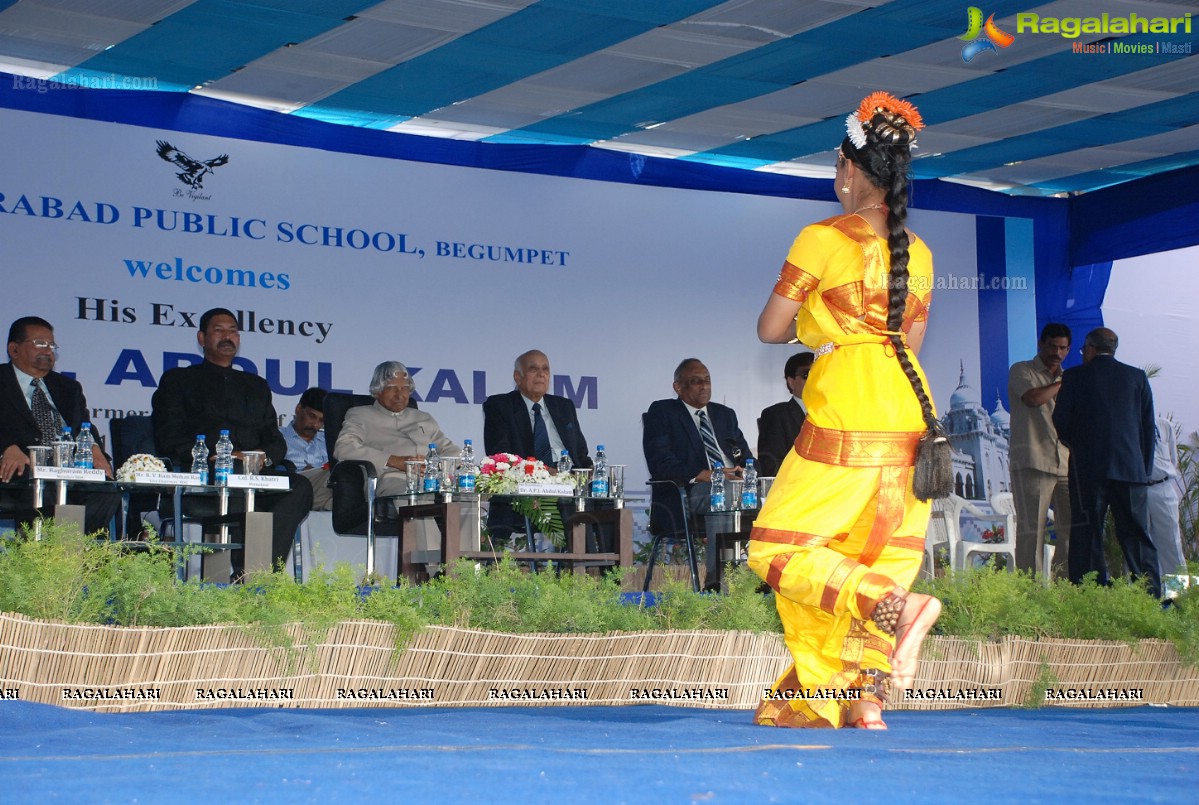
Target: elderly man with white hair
389	433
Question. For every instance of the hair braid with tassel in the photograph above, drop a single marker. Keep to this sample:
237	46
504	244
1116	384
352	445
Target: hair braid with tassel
885	158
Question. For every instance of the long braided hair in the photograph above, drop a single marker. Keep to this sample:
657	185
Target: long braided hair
886	159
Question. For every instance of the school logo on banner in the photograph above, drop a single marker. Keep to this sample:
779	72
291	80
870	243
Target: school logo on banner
193	171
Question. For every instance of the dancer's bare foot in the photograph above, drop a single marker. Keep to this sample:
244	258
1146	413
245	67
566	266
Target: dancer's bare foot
865	715
918	615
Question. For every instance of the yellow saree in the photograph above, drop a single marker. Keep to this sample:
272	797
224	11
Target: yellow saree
841	527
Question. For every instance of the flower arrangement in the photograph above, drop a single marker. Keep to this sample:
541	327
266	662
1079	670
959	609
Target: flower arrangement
994	535
139	462
502	473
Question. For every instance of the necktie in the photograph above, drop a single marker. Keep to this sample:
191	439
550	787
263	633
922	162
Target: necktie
709	437
541	438
48	420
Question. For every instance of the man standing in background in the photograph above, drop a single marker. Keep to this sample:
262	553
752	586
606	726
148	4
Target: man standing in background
1039	459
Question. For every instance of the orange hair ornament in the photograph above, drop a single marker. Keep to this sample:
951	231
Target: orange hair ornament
893	121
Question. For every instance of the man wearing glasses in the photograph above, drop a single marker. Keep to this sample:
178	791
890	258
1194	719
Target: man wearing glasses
35	404
779	424
683	438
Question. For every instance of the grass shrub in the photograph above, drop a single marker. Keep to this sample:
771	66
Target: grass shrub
69	577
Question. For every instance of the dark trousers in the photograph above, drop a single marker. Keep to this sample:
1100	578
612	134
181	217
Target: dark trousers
1129	505
288	509
99	506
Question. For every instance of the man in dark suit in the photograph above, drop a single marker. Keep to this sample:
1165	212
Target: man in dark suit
1104	414
529	422
779	424
675	449
35	403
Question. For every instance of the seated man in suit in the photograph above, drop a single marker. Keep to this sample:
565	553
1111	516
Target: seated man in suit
211	396
35	403
529	422
306	448
683	439
779	424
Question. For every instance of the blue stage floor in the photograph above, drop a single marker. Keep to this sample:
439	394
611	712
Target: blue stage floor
593	754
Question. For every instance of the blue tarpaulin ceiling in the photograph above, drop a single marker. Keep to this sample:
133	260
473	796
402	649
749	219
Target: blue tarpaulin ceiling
759	85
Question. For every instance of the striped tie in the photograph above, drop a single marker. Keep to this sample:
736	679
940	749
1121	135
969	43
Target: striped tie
49	423
715	456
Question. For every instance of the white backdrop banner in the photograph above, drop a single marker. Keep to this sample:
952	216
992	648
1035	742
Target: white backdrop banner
121	236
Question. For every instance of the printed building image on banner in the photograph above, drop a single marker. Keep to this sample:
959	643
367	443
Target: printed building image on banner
121	236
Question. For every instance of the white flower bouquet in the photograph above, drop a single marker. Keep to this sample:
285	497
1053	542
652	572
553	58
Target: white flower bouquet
139	462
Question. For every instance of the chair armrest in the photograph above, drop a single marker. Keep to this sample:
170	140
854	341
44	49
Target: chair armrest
341	469
352	507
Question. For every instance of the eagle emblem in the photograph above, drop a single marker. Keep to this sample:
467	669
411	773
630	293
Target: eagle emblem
193	170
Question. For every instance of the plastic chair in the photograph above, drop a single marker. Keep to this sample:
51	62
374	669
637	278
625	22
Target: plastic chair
1003	514
942	530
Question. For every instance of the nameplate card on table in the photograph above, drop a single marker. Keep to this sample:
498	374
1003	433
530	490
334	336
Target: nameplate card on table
68	474
259	482
168	478
546	490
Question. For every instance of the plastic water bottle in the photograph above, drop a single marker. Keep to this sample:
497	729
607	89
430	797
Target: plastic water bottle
224	459
749	491
83	446
716	494
599	476
565	465
468	470
200	459
432	470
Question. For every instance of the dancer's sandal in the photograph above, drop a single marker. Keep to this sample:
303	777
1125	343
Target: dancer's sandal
909	617
867	712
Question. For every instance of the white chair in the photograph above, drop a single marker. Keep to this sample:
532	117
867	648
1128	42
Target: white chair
942	530
1002	514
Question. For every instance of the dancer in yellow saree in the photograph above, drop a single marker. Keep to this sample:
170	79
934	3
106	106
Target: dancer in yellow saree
841	536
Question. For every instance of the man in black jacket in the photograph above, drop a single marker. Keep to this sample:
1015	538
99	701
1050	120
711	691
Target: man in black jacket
528	421
779	424
1104	414
212	396
35	403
